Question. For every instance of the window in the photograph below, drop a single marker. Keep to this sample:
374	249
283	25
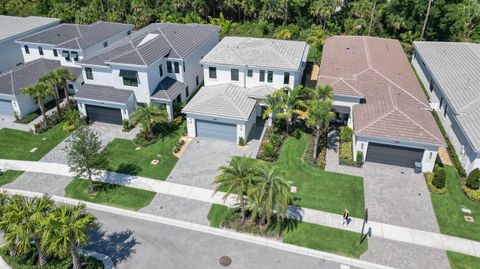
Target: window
286	78
129	32
431	85
169	67
105	44
89	72
130	78
441	102
188	91
445	111
27	50
212	72
270	77
160	69
196	80
262	75
70	86
40	50
183	64
55	53
234	74
66	55
177	67
249	73
74	55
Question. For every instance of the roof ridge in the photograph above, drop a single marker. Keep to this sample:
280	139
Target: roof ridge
283	55
230	99
391	97
121	54
140	55
168	41
11	82
350	86
367	52
414	122
378	119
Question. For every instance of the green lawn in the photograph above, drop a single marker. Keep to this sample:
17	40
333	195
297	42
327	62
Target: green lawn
9	176
308	235
447	209
17	144
109	194
461	261
318	189
123	157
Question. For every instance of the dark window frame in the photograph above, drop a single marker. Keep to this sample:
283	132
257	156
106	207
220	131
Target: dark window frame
197	80
261	77
105	44
445	110
40	50
129	78
270	77
286	78
234	74
160	69
212	72
55	52
27	49
169	67
89	73
176	67
249	73
187	90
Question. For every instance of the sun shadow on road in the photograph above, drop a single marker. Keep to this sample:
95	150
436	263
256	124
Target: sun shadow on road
119	246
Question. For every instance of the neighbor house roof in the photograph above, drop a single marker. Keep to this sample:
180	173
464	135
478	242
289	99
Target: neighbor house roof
168	89
103	94
22	76
222	101
377	69
12	26
153	42
76	36
258	52
456	69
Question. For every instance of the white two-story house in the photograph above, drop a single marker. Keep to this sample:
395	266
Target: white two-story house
159	63
238	73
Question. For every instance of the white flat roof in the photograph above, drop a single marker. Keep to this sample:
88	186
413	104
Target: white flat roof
11	26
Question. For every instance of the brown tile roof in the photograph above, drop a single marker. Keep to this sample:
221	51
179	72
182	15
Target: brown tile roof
376	69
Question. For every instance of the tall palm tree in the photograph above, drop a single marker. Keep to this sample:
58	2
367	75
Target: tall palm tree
424	27
274	105
323	10
63	75
12	232
292	102
274	193
148	115
40	91
66	229
317	38
50	79
237	178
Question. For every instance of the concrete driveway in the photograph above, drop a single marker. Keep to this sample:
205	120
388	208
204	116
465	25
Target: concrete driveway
396	195
9	122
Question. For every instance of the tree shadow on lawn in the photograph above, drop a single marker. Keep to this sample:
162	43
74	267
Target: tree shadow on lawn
119	246
128	168
123	175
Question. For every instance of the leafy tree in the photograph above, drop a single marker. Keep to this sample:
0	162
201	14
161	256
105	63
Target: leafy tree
237	178
40	91
147	116
224	24
473	179
316	39
323	10
85	153
66	230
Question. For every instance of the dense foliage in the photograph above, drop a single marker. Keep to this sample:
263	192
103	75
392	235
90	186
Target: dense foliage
454	20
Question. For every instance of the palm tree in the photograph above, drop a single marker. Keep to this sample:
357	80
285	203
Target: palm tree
237	178
426	19
50	79
273	192
63	75
66	229
39	91
317	38
274	105
319	111
12	232
323	10
148	115
292	103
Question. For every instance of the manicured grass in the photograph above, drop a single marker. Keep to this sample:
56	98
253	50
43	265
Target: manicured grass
450	218
461	261
16	144
123	157
109	194
9	176
317	189
304	234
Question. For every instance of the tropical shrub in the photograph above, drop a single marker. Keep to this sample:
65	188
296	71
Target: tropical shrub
241	141
472	194
432	188
126	126
346	134
268	150
473	179
346	151
439	178
359	160
72	120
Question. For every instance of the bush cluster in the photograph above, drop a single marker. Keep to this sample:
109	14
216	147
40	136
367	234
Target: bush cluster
321	160
159	130
178	145
54	118
241	141
439	178
473	179
271	144
472	194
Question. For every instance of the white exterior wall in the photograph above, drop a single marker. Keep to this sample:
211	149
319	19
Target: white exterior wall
249	125
24	105
191	127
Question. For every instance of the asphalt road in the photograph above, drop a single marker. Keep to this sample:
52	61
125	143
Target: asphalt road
132	243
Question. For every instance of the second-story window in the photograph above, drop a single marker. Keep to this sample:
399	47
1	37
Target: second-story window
177	67
169	67
40	50
249	73
27	50
74	56
89	73
262	76
55	53
66	55
160	68
212	72
286	78
270	77
196	80
130	78
234	74
105	44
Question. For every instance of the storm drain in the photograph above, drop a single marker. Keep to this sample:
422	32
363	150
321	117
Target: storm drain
225	261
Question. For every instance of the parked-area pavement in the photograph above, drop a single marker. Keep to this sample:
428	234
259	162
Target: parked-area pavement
376	229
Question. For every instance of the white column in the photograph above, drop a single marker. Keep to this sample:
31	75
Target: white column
192	131
169	106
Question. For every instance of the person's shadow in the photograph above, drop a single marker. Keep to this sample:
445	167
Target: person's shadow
119	246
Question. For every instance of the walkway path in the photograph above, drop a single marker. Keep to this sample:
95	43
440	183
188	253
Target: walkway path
376	229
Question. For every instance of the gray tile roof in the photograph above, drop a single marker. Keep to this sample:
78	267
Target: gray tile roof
222	101
378	70
15	80
103	94
456	69
261	91
75	36
168	89
258	52
12	26
150	43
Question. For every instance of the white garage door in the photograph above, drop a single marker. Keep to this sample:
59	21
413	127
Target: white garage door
217	130
6	108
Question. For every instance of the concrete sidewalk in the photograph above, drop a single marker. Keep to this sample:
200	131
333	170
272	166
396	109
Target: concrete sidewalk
375	229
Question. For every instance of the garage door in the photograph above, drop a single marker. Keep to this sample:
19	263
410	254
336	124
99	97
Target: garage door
6	108
217	130
393	155
104	114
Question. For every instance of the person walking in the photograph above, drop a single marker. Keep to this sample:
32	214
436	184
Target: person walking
346	215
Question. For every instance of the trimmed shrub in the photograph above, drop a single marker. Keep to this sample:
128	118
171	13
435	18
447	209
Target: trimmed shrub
439	178
473	179
346	134
268	150
429	178
359	161
472	194
126	126
346	150
241	141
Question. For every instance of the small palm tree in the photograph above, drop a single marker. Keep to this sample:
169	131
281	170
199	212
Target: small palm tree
148	115
50	79
63	75
317	38
67	229
237	178
292	104
274	105
40	91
